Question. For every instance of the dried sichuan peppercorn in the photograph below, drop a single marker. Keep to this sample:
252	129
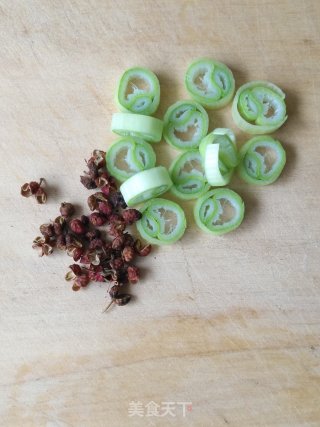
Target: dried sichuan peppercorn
131	216
47	230
34	188
133	274
66	209
99	260
128	253
77	226
97	219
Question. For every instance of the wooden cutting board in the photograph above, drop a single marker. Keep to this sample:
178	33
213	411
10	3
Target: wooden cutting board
226	328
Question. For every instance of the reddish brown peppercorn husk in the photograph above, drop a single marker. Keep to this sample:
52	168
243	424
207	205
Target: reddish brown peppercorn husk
128	239
34	186
93	171
91	257
41	196
128	253
77	253
117	200
107	250
102	180
97	219
116	218
25	190
96	273
117	225
73	246
59	225
47	230
142	250
92	202
116	229
94	234
133	274
70	276
77	226
101	197
105	208
113	292
118	242
61	242
76	269
105	181
43	246
57	228
96	243
131	216
61	220
30	188
106	190
82	280
69	239
98	158
117	263
84	219
66	209
122	299
87	182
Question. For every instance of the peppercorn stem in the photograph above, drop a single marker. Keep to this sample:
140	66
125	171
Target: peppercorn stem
108	306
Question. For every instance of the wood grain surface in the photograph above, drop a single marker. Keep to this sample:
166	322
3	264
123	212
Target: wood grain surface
230	324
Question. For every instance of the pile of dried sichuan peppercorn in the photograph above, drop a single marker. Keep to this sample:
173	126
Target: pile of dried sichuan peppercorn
102	255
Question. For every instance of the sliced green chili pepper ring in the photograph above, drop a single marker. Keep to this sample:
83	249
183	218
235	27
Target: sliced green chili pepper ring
219	154
222	77
216	172
187	175
273	106
248	106
143	155
262	160
219	211
208	210
259	107
253	164
168	215
227	132
227	151
185	124
137	126
145	185
138	91
151	224
127	156
210	83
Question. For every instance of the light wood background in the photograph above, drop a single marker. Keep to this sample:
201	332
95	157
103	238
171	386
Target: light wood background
230	324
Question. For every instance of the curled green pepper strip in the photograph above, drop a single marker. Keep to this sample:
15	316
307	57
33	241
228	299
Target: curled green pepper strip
219	154
262	160
185	124
138	91
219	211
163	222
187	175
128	156
210	83
259	107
